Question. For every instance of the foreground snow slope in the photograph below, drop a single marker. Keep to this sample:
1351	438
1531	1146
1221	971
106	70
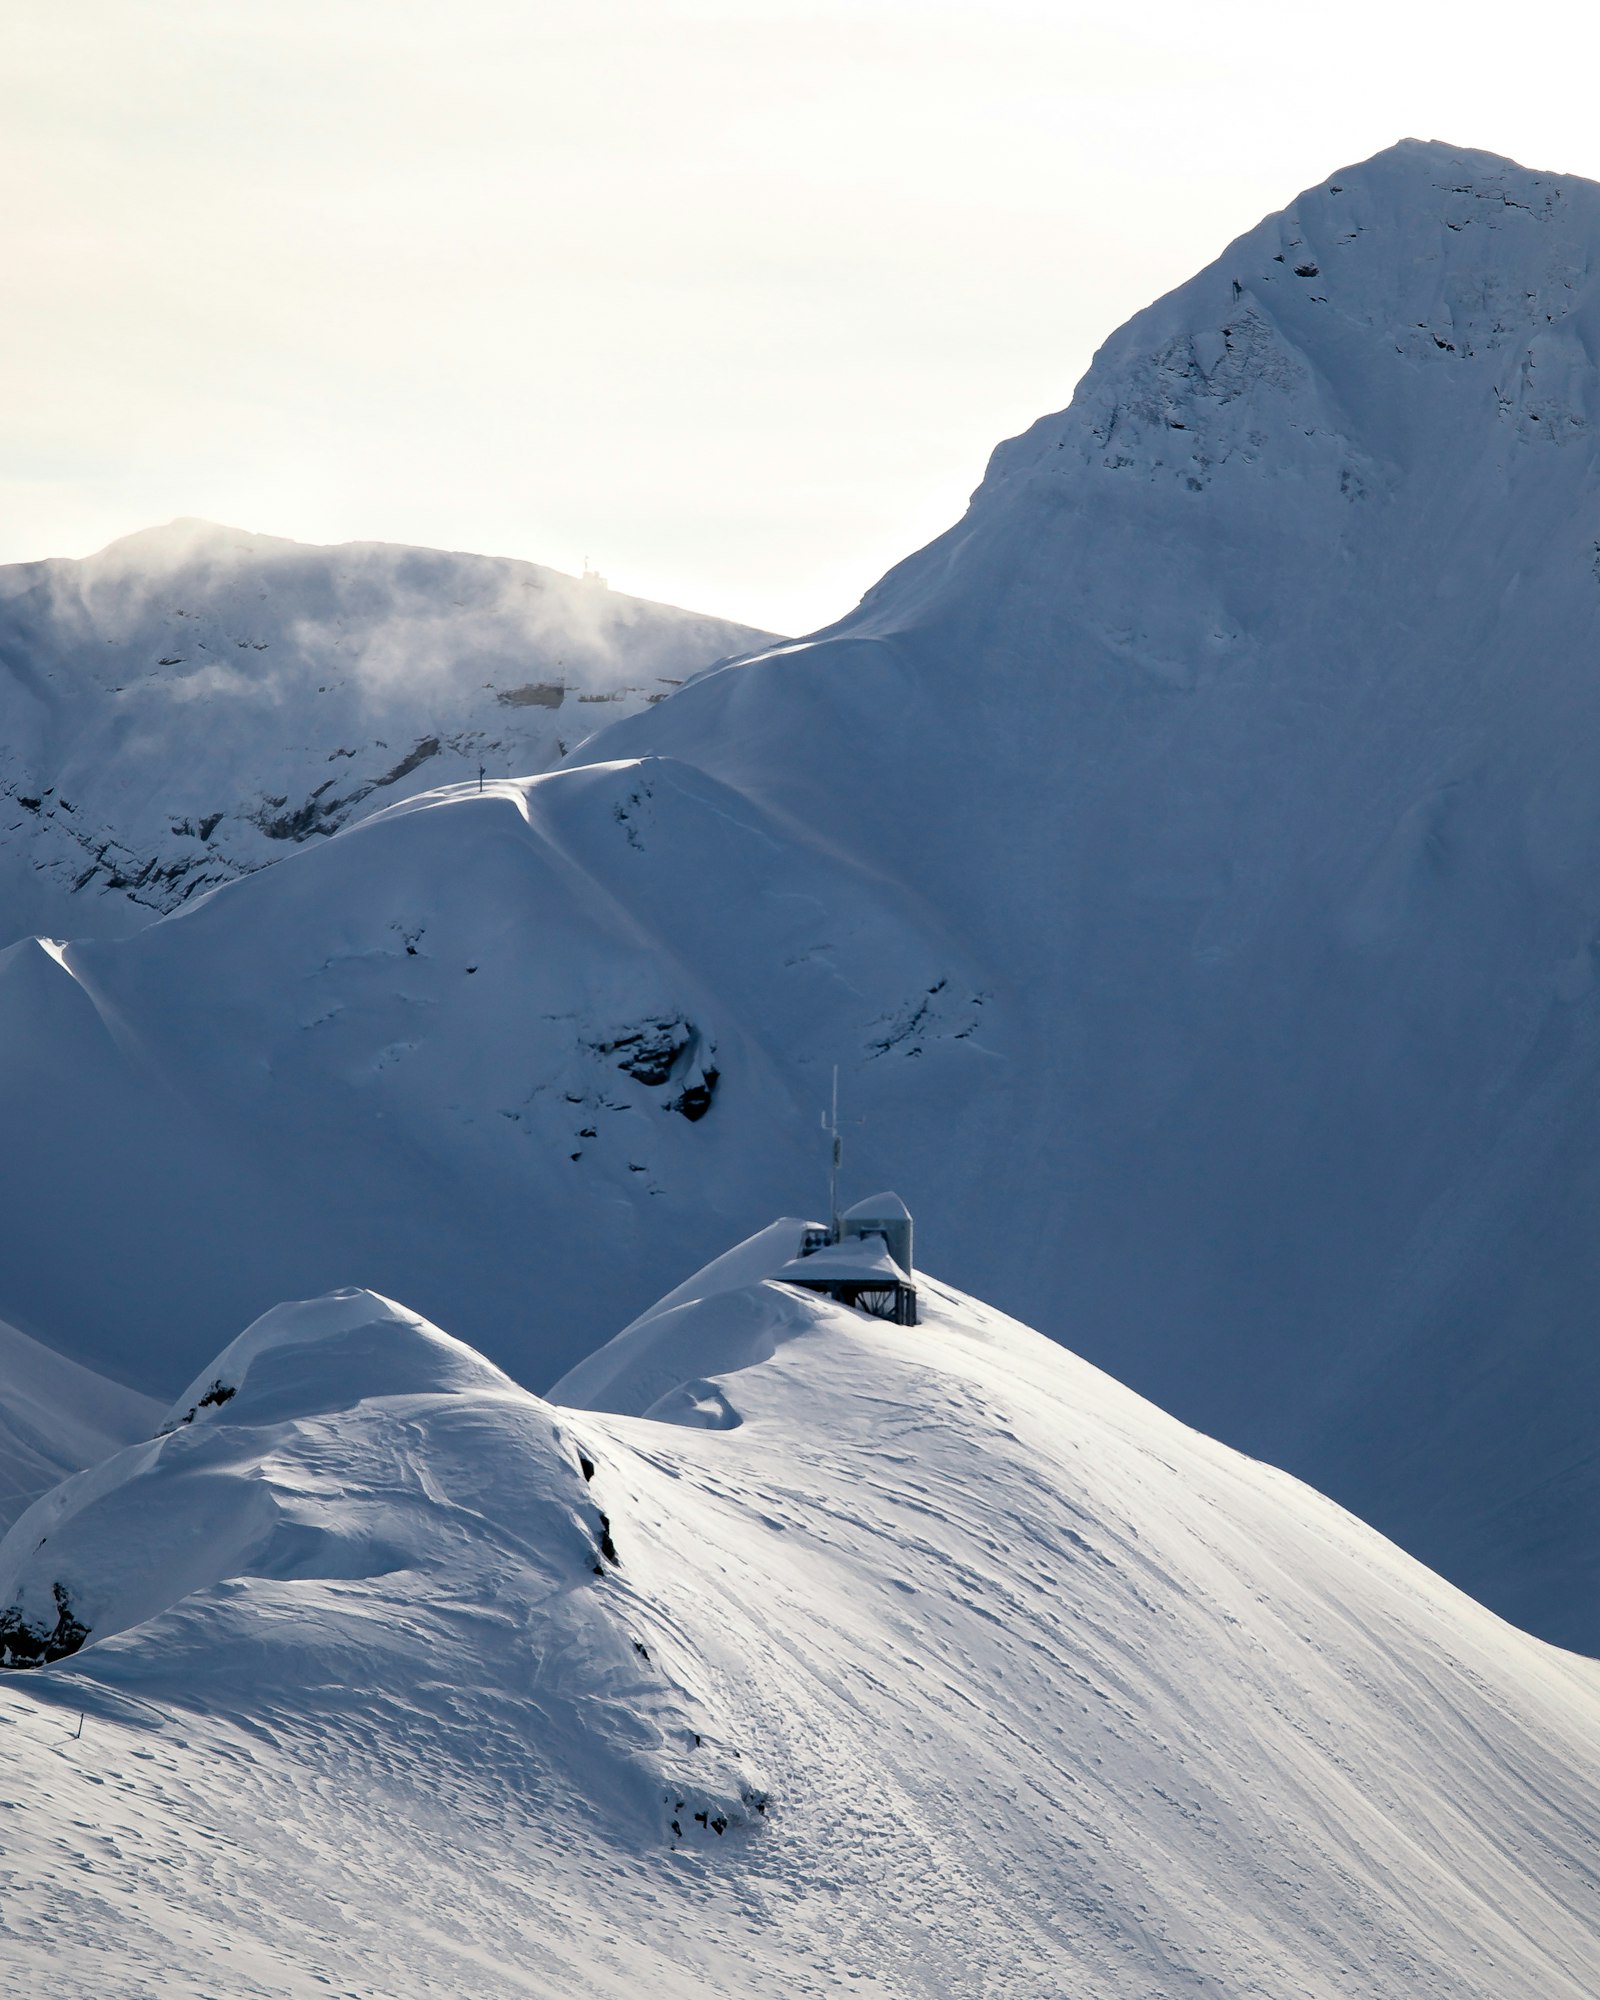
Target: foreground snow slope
995	1679
192	701
1190	860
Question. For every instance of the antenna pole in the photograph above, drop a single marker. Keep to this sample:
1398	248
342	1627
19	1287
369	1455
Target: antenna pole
838	1155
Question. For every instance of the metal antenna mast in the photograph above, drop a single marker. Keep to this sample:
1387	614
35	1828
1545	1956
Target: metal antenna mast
831	1125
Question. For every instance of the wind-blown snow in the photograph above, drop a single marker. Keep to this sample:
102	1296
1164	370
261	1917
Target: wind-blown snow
193	701
998	1680
1191	861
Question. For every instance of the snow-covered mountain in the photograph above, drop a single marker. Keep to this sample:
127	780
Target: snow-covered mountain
1190	861
189	703
796	1651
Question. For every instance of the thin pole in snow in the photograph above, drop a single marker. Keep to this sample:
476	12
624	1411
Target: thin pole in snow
838	1154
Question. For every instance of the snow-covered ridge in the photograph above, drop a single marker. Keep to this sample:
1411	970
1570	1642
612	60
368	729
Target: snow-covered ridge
1045	1692
193	701
574	974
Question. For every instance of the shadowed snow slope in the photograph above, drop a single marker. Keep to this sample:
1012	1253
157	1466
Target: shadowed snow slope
993	1678
191	702
445	1049
1192	862
56	1417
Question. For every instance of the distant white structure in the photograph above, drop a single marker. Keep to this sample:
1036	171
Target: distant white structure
863	1261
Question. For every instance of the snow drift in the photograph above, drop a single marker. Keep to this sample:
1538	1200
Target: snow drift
351	1513
1047	1693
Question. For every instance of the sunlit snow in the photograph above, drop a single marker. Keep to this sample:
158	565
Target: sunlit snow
945	1666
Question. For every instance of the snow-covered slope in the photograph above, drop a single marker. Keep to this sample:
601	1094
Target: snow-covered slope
55	1418
192	701
984	1675
1191	862
441	1053
1243	734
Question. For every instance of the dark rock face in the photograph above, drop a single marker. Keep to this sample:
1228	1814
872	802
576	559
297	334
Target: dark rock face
219	1393
694	1100
23	1645
320	814
650	1052
660	1052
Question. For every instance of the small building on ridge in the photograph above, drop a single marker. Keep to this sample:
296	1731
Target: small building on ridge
863	1261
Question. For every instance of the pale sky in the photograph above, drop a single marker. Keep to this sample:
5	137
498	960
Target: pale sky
733	299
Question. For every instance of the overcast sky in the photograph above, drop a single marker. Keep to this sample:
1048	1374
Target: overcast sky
733	299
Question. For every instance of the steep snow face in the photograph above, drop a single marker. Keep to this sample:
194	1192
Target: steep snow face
55	1418
194	701
998	1680
1190	861
445	1052
1242	734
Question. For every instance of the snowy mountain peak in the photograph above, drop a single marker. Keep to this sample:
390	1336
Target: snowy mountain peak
350	1511
1427	298
669	1364
298	1370
171	544
1241	732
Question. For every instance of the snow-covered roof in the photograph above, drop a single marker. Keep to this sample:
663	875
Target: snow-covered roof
861	1260
878	1208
